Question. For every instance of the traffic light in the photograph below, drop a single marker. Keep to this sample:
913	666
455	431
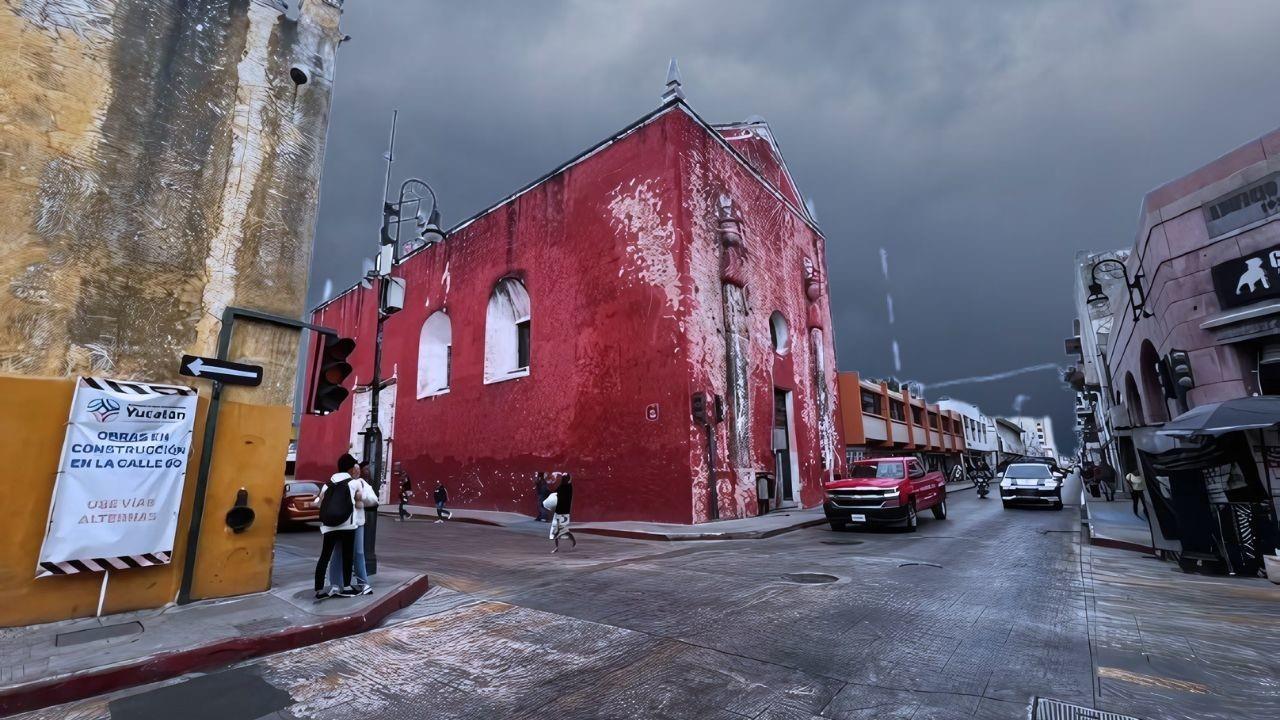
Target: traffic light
700	409
327	391
1180	370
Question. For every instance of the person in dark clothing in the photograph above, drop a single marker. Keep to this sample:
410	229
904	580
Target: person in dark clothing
406	493
564	505
442	497
1105	475
543	490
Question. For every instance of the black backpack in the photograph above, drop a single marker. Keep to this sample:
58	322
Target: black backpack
337	508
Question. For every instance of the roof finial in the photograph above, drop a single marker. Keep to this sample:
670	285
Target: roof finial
674	90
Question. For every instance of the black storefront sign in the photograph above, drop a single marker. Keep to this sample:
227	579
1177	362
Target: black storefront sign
1248	279
1238	208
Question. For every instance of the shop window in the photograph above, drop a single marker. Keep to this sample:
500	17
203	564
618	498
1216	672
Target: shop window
435	355
507	340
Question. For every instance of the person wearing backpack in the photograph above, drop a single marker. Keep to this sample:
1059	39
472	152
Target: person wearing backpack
365	498
337	503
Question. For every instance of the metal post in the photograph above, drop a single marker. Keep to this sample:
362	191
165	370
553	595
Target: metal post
229	316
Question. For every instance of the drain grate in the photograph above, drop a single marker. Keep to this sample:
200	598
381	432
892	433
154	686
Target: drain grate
842	542
809	578
1046	709
920	564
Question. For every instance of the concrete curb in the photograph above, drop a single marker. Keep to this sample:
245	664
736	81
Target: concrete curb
958	489
1116	544
77	686
688	537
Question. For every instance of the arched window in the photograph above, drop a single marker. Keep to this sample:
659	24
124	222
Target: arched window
507	332
435	355
778	332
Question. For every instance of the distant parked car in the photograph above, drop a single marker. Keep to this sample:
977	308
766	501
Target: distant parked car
297	506
1031	484
884	491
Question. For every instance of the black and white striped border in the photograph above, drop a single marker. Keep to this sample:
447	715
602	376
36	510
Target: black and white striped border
123	562
133	388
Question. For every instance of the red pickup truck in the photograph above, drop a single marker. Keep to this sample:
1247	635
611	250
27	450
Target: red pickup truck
883	491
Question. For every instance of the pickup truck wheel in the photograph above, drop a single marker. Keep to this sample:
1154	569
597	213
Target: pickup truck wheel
913	520
940	510
836	525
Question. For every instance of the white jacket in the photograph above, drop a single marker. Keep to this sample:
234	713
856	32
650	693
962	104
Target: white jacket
361	494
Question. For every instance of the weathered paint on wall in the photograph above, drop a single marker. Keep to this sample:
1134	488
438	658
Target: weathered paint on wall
33	417
622	259
157	163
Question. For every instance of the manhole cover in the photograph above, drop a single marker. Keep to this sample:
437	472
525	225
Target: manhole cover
809	578
1046	709
842	542
920	564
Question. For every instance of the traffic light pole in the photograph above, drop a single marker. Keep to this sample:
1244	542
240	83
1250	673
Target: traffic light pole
229	316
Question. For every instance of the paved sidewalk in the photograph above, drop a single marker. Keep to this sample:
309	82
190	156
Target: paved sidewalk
1192	646
45	664
1113	524
753	528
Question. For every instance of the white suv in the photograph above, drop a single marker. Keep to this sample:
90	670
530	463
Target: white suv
1031	483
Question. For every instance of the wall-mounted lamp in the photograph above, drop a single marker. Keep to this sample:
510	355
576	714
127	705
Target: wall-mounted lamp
1137	297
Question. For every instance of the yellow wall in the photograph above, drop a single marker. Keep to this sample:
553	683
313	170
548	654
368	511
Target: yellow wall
250	449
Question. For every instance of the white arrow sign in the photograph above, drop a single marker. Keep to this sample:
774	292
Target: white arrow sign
221	370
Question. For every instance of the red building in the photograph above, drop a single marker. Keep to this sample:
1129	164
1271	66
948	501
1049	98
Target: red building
569	326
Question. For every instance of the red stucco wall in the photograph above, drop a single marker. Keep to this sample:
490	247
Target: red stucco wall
620	258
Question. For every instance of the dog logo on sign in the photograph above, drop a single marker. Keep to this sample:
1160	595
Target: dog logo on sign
1253	276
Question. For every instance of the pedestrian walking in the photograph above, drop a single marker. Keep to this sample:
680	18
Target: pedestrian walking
1106	477
1137	484
541	487
364	497
337	505
406	493
442	497
563	506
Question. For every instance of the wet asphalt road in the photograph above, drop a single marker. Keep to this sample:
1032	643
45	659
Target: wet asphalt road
970	617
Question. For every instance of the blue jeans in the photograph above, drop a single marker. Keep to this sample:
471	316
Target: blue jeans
357	571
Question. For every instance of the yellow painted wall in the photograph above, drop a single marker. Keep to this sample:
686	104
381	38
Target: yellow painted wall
251	445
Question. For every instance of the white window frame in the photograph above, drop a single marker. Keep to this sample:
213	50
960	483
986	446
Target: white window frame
424	391
511	325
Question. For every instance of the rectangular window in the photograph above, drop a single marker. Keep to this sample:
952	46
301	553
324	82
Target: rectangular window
916	415
448	365
522	345
872	404
897	410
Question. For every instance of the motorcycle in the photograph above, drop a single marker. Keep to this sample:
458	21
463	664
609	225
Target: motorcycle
984	487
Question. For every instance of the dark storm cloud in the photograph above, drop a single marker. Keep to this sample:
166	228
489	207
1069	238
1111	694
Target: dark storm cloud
982	144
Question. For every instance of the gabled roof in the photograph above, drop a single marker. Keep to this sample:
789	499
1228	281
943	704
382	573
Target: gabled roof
754	141
782	186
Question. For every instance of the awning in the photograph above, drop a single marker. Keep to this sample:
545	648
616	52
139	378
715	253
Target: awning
1214	419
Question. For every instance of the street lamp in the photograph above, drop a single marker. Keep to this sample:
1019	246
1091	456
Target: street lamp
390	294
1097	297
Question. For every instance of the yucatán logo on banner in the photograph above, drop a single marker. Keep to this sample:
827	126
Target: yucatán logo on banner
1248	279
119	485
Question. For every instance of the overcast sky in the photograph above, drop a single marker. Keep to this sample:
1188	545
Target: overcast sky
979	144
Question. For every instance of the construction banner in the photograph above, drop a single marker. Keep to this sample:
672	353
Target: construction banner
119	486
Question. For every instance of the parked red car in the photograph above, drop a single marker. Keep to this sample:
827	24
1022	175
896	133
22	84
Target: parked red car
297	505
885	491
